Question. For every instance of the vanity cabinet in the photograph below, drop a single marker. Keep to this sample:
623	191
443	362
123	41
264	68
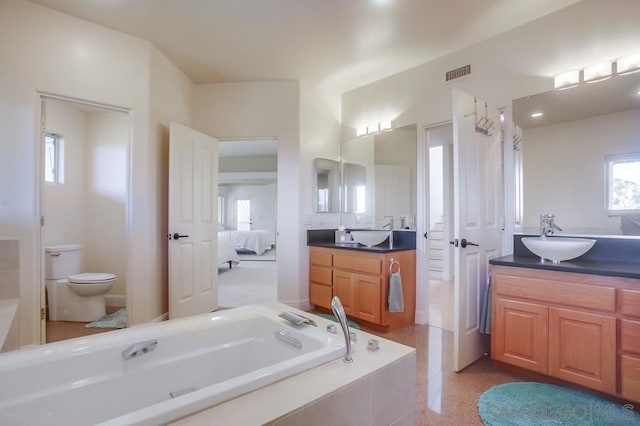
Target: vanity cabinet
361	280
564	325
630	344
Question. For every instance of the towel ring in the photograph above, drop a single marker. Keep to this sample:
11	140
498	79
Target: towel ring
393	262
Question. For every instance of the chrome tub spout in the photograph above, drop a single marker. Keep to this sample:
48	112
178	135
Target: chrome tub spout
338	311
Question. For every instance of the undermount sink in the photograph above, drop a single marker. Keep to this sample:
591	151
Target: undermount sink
557	249
370	238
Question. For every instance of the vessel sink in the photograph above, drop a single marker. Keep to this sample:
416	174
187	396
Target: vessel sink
370	238
557	249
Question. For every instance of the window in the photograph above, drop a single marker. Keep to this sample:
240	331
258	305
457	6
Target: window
623	182
53	158
243	215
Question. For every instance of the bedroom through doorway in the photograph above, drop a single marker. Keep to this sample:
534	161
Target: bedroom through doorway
247	205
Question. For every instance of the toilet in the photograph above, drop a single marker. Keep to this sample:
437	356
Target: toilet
74	295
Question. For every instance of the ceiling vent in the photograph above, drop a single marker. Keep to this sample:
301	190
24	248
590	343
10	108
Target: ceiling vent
458	72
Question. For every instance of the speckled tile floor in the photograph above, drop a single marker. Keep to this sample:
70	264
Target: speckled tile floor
444	397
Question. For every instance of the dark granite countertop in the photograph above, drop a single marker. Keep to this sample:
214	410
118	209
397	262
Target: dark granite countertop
614	257
382	248
402	241
595	267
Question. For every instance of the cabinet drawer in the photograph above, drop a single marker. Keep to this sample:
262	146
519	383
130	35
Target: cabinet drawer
320	295
320	257
630	336
631	303
366	264
557	292
630	378
320	275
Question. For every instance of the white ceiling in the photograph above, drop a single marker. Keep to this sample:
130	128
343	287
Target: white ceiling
337	44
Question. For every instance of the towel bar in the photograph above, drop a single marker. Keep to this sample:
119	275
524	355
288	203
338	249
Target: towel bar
393	262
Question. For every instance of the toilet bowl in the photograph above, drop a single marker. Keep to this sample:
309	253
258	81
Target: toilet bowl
74	296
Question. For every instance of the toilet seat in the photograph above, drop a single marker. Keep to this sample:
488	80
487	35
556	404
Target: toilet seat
91	278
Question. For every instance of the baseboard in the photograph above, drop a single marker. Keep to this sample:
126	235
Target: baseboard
115	300
163	317
421	318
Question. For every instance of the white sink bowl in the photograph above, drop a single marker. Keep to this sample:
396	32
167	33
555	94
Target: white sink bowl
557	249
370	238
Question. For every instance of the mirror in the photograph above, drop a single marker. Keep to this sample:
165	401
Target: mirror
385	163
561	157
327	184
354	181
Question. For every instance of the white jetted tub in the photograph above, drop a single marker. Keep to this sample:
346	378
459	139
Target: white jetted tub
196	363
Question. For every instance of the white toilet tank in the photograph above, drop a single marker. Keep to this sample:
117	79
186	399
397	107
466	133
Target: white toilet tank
62	261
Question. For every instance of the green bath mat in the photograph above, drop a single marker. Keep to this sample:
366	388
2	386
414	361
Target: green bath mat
115	320
537	404
352	324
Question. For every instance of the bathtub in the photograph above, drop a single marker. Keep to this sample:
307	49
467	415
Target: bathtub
198	362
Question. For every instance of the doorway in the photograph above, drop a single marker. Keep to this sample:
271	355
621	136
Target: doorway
440	227
84	185
247	199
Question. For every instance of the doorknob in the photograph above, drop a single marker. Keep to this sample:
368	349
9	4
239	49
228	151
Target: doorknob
454	242
464	243
176	236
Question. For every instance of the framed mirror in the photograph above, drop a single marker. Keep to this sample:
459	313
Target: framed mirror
327	185
578	157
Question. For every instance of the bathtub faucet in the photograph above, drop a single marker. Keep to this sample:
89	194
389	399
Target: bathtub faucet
139	348
338	311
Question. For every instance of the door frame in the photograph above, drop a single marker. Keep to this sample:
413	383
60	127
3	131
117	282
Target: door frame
43	97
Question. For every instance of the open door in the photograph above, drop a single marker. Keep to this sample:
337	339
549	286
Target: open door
478	194
192	234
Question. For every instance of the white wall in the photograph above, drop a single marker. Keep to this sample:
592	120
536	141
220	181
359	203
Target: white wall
63	204
562	157
52	52
305	128
506	67
170	98
105	195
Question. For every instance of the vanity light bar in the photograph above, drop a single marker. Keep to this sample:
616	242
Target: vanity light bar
628	64
597	72
373	128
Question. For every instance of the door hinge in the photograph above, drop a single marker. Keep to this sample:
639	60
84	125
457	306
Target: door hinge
41	220
43	313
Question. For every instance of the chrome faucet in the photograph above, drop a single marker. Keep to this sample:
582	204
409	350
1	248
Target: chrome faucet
338	311
547	225
390	225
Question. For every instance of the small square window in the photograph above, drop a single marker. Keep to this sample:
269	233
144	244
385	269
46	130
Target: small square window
623	182
53	158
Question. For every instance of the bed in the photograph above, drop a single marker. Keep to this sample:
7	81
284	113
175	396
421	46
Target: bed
226	252
257	241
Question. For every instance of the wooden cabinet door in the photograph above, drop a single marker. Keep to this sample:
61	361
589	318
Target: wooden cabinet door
630	377
520	334
368	297
582	348
345	288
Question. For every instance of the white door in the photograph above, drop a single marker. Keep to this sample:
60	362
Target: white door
192	234
392	192
477	151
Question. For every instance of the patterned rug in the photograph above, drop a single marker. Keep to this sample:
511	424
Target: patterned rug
533	404
115	320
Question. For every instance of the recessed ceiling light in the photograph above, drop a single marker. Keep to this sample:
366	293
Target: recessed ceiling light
536	115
